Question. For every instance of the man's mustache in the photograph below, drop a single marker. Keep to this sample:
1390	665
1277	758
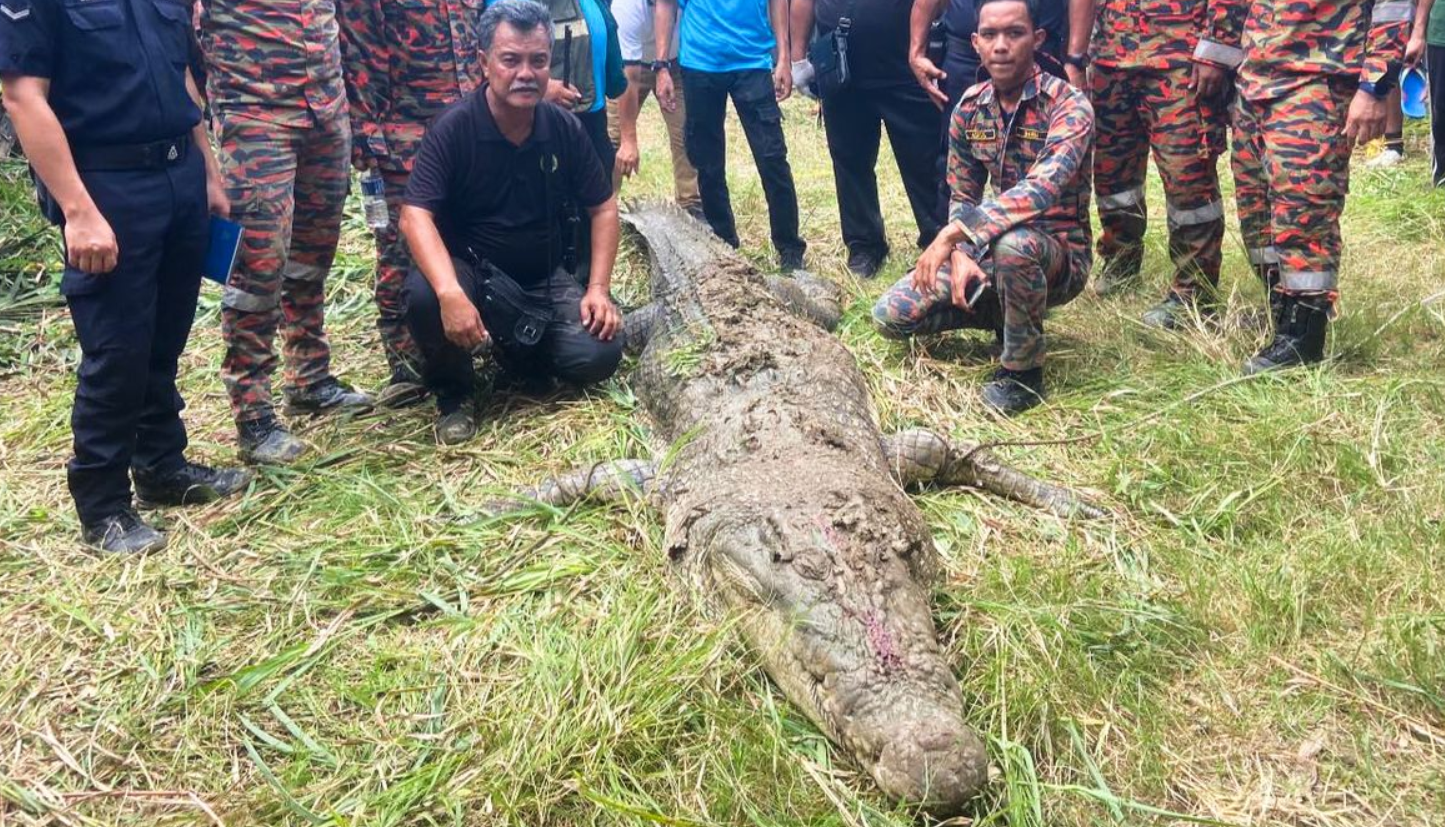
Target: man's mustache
526	86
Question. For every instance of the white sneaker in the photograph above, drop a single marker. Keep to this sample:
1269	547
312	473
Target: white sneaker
1388	158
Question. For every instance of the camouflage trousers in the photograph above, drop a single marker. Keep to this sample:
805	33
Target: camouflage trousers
287	188
1291	167
1029	272
1137	110
393	260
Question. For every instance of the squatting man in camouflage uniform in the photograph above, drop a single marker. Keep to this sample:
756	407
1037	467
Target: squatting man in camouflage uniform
1000	262
497	187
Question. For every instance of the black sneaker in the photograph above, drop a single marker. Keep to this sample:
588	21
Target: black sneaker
327	395
123	533
193	483
402	390
1014	391
1299	335
864	264
790	260
265	442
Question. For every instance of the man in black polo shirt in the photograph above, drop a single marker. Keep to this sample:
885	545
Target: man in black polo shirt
486	218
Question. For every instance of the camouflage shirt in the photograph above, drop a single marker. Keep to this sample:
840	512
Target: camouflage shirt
273	60
1286	42
1038	161
1164	34
405	61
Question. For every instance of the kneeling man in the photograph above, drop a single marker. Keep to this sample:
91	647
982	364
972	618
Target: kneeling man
1001	261
490	216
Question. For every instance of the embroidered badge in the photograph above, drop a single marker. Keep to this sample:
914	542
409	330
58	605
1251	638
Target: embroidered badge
1032	134
15	14
981	134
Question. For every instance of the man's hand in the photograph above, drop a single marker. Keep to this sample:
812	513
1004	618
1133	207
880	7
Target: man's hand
1078	76
564	95
628	160
216	199
1415	48
925	273
966	277
665	91
90	244
1209	82
461	321
782	80
931	78
1366	119
600	315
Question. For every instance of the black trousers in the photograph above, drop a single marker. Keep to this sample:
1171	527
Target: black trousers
567	351
1435	70
595	125
706	138
962	72
133	324
854	121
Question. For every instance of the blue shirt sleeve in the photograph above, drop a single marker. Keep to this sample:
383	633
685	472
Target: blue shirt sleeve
28	37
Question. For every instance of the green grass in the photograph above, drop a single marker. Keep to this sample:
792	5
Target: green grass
1256	637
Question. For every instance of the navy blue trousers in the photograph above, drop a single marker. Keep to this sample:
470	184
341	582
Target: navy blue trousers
132	324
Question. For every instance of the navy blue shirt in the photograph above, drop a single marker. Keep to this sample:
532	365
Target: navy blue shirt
117	68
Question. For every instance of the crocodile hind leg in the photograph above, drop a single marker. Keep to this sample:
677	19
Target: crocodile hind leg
918	456
605	482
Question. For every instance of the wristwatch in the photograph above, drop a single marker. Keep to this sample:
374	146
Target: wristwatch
659	65
1077	61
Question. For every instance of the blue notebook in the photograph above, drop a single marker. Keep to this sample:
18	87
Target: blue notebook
224	247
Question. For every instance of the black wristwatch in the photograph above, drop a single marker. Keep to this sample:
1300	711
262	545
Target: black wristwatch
659	65
1077	61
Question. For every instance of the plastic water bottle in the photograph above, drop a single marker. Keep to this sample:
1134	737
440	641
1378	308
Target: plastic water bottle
373	200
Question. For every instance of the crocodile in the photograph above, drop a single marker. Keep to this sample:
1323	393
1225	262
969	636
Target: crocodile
784	506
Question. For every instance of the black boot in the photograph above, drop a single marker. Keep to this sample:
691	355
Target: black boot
402	390
123	533
191	484
265	442
1119	272
1014	391
330	394
1177	311
1299	334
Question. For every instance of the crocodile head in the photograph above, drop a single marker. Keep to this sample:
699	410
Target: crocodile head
831	604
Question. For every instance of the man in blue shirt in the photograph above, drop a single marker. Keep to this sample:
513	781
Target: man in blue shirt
737	49
125	169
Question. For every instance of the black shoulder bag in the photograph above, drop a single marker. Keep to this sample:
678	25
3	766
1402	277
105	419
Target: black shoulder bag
829	56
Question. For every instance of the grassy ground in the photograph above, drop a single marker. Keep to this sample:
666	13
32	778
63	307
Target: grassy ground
1258	636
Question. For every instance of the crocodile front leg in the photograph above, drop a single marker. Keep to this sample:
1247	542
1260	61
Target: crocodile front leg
605	482
919	456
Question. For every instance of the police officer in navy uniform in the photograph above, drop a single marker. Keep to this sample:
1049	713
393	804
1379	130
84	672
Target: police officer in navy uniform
100	96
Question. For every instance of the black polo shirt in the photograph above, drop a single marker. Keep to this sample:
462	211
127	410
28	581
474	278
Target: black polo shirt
117	68
505	202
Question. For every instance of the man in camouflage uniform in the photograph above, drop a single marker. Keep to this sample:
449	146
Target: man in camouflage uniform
1158	81
1312	85
276	89
1000	262
404	62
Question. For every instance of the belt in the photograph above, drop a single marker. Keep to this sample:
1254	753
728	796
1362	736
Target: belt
154	155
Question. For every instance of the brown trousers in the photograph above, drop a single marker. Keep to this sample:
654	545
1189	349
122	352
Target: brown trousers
684	177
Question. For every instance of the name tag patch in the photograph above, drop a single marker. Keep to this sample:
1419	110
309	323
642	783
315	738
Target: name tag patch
1032	134
981	134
